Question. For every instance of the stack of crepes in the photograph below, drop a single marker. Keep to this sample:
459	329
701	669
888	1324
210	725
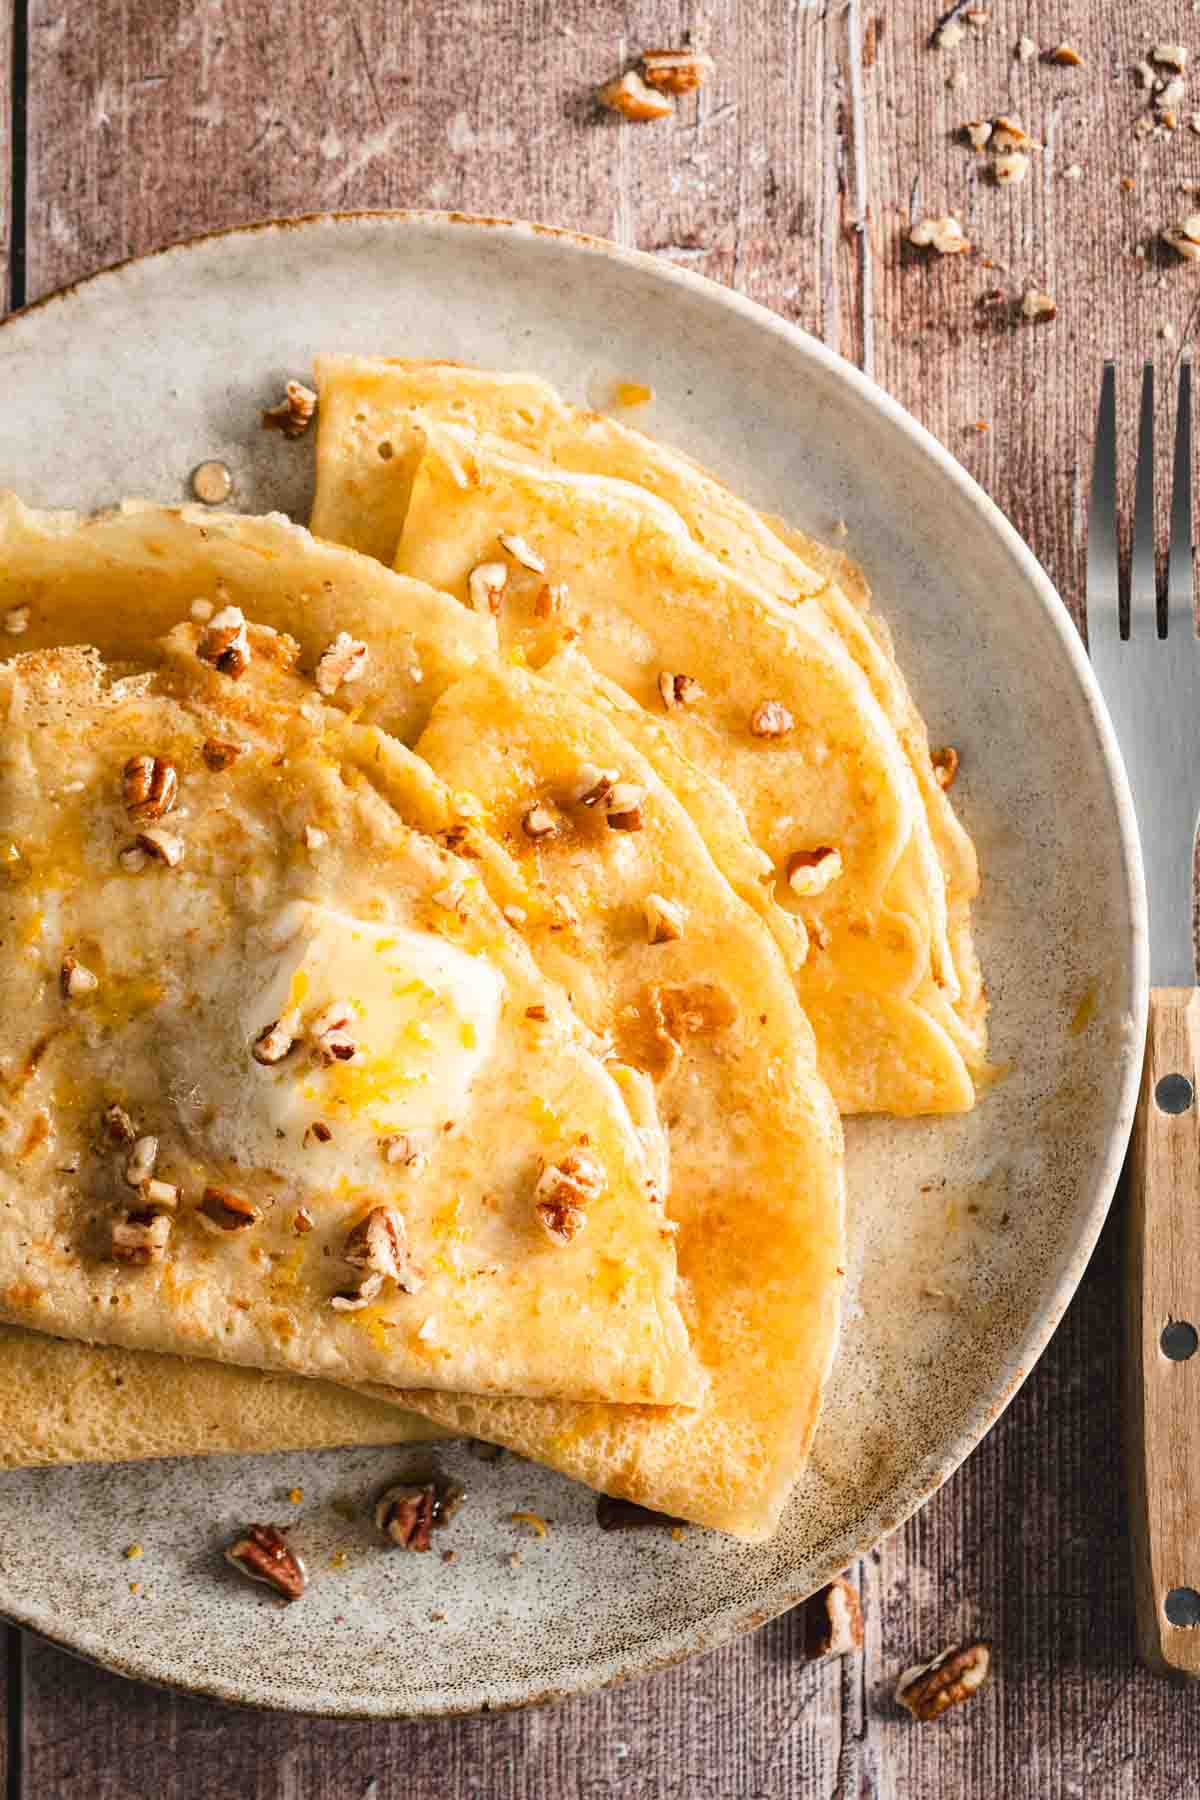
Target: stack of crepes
435	952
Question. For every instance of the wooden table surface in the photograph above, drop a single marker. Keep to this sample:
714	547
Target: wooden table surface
793	177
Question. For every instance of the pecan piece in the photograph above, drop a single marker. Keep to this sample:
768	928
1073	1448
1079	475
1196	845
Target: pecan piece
76	979
275	1041
149	788
162	846
225	644
263	1553
945	766
664	919
331	1034
563	1191
771	719
676	71
930	1689
221	1209
344	661
944	234
678	690
293	414
219	753
140	1164
623	807
378	1245
810	872
522	552
592	786
355	1298
538	823
140	1237
407	1514
833	1622
633	98
485	587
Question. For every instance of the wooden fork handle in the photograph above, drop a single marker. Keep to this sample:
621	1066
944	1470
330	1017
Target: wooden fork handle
1162	1269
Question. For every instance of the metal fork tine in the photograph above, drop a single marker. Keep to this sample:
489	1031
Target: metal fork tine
1181	615
1103	592
1143	588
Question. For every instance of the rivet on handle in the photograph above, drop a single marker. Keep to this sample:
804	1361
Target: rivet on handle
1179	1340
1182	1606
1174	1094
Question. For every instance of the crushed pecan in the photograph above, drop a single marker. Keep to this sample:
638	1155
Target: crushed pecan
771	720
275	1041
592	786
929	1689
221	1209
225	643
161	846
378	1245
1184	238
76	979
344	661
330	1031
810	872
485	586
944	234
220	753
676	71
139	1165
318	1131
407	1514
293	414
945	765
630	96
263	1553
140	1237
623	807
353	1299
149	788
664	919
678	690
522	552
833	1622
550	600
563	1191
538	823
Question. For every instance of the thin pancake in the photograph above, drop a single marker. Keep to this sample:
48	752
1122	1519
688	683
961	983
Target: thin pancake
287	895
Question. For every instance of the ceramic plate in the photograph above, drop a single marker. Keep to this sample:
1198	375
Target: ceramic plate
968	1236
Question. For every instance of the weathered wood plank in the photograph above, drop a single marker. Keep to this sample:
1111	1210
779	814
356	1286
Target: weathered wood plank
7	107
148	122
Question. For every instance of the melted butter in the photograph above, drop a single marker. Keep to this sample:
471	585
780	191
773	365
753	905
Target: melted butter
632	393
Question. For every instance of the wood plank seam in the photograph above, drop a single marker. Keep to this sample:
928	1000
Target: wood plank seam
18	136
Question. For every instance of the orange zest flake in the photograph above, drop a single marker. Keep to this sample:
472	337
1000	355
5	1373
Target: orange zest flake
295	1495
131	1552
633	393
536	1523
677	1532
135	1587
1085	1012
338	1560
447	1222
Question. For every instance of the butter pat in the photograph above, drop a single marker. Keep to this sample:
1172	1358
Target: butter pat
391	1028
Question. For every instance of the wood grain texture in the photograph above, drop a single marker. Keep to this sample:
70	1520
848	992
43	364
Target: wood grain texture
1163	1279
8	91
794	176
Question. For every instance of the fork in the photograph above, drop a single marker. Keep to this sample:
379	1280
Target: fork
1150	679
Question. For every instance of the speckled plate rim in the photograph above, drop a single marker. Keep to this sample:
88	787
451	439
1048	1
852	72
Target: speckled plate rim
928	1476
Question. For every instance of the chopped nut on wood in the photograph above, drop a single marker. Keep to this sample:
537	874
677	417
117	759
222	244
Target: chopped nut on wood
76	979
771	719
1065	56
378	1245
1026	49
1039	307
16	621
220	753
224	642
293	414
163	846
833	1621
1011	168
623	807
945	235
664	919
949	35
1170	56
563	1190
1184	238
343	662
149	788
140	1237
676	71
977	132
485	587
945	765
538	823
140	1164
262	1552
1009	134
678	690
274	1042
630	96
929	1689
1145	75
522	552
810	872
221	1209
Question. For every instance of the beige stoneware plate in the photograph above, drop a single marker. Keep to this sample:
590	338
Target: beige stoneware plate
968	1236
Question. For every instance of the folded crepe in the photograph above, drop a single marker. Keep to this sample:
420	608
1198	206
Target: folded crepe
279	1087
757	1176
891	980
